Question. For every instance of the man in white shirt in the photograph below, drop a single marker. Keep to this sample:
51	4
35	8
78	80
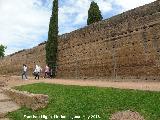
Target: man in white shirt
37	71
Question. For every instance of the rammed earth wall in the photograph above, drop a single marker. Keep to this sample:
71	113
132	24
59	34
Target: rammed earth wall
123	46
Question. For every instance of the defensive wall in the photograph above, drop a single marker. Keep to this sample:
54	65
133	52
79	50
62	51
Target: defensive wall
124	46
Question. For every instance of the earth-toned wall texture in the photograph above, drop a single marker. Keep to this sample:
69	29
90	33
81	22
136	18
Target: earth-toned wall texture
123	46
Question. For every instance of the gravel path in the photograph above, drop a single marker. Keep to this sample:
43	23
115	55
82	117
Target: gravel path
150	86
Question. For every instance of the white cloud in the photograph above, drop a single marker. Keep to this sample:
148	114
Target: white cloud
130	4
79	8
24	23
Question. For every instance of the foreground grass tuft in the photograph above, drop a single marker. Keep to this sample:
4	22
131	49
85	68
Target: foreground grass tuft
86	101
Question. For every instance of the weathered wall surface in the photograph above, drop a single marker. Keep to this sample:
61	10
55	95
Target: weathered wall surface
13	64
124	46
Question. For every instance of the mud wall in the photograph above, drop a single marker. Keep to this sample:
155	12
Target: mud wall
13	64
123	46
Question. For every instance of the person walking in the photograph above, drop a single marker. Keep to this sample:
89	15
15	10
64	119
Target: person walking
46	71
24	73
37	71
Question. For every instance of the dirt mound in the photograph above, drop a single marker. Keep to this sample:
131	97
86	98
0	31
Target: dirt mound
126	115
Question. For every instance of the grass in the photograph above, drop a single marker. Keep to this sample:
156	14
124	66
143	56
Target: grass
87	101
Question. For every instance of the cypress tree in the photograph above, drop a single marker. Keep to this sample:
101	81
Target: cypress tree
2	50
52	42
94	14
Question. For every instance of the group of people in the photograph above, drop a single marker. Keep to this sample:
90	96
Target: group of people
37	71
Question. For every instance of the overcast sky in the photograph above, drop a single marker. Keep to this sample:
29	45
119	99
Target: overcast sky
24	23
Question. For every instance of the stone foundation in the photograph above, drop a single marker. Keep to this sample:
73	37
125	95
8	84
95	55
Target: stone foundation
29	100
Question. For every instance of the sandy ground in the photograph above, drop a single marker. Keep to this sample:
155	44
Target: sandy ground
138	85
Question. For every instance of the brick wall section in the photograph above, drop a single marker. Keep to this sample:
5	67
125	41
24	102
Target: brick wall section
31	101
123	46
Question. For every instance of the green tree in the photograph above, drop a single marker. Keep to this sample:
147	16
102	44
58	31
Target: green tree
52	42
2	50
94	14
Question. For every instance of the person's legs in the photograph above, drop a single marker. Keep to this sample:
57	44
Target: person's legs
35	75
45	74
38	75
25	74
22	75
48	74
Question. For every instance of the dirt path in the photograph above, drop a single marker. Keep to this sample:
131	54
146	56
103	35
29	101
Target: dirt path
151	86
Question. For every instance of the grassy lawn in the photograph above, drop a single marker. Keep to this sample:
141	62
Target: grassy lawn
86	101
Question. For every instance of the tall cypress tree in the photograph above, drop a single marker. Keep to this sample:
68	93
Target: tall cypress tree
94	14
52	43
2	50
